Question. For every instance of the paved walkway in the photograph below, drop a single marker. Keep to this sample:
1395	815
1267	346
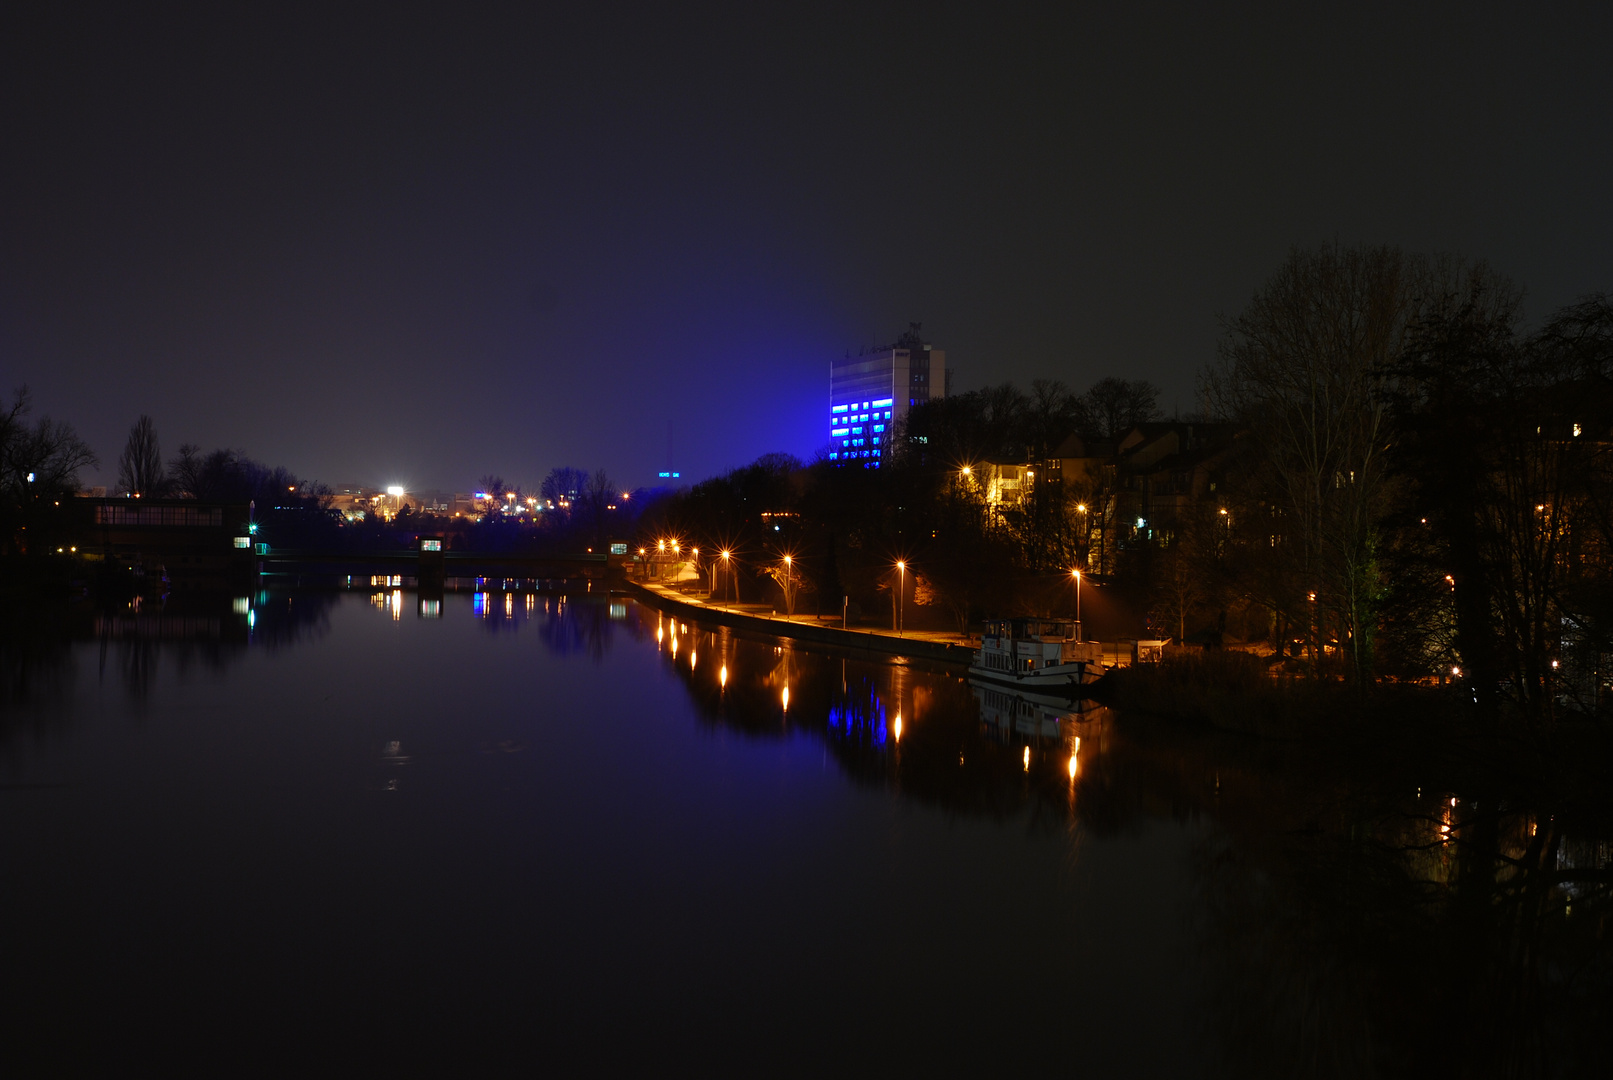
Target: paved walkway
820	628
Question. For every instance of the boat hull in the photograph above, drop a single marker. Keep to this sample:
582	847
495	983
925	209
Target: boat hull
1057	677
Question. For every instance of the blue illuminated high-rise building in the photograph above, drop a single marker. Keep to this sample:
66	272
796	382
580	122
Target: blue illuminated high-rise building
870	395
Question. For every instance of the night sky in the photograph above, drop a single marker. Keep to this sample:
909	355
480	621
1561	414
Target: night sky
414	245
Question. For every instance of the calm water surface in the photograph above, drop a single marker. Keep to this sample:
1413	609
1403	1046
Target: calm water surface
374	827
372	830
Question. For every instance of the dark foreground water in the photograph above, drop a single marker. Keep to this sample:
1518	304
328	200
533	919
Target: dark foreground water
369	829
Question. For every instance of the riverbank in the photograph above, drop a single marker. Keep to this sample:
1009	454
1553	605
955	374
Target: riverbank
927	645
1237	692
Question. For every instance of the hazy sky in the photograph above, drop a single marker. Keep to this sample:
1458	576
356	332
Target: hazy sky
414	245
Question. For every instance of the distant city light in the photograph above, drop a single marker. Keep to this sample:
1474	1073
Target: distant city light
671	475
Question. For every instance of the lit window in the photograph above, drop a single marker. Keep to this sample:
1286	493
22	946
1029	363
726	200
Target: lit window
243	541
882	402
431	545
879	427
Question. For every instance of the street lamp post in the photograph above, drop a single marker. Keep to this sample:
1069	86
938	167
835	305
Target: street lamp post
901	587
1076	574
789	594
1086	532
726	572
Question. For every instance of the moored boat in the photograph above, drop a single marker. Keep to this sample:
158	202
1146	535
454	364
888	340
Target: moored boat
1036	654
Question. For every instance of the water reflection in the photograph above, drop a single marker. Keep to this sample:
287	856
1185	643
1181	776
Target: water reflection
568	624
1352	923
1388	901
916	727
35	660
185	632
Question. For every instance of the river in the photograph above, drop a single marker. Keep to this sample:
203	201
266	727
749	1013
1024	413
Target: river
365	827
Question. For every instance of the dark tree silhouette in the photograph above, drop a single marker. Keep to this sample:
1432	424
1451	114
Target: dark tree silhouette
140	470
39	466
1114	406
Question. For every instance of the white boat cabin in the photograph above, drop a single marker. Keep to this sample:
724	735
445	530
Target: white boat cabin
1022	646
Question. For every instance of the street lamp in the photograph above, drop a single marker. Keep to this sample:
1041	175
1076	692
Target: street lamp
901	587
1076	574
789	598
1086	535
725	570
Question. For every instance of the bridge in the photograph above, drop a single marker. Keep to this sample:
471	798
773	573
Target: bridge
428	565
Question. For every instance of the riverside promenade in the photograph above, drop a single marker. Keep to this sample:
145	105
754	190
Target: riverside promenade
760	618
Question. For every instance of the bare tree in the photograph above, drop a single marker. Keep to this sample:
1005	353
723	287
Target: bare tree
599	495
1307	367
1114	406
563	487
39	466
42	458
140	470
217	476
1051	413
185	471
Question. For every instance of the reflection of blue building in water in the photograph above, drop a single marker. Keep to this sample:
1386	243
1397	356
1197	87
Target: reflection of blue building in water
860	718
871	393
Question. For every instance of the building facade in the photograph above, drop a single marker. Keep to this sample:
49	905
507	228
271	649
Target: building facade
871	393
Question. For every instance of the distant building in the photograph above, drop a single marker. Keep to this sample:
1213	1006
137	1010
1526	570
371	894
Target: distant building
871	393
190	541
1167	468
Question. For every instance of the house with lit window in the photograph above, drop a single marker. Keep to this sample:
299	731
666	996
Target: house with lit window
871	393
1166	468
